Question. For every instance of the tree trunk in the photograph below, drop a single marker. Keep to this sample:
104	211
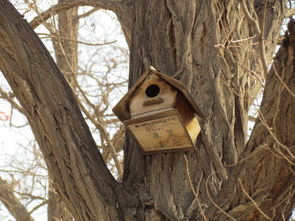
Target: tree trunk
208	46
56	208
192	42
65	44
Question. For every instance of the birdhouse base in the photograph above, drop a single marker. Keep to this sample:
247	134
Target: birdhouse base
161	131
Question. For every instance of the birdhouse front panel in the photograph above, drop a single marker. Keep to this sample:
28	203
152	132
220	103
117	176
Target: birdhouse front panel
153	95
162	131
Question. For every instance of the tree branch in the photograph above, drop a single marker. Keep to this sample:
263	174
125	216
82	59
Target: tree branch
259	29
290	12
10	99
56	9
12	203
267	176
120	8
78	170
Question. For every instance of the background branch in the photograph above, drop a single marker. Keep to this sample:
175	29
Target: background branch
12	203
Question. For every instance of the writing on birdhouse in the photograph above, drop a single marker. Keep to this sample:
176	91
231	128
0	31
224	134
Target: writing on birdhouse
160	113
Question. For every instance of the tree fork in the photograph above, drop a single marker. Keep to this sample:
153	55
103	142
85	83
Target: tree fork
180	40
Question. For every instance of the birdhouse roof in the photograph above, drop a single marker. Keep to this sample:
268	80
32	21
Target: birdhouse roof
122	108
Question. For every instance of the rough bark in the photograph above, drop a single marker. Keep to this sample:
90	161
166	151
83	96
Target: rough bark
195	42
66	54
192	41
56	208
12	203
266	168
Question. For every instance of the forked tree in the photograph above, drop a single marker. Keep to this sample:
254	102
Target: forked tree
221	50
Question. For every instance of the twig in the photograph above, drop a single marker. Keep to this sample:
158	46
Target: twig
290	12
259	32
263	121
50	36
258	149
221	210
279	77
253	73
38	206
86	14
192	188
10	99
253	201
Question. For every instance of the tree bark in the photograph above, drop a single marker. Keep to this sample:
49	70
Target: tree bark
12	203
56	208
192	42
66	53
265	169
65	45
208	46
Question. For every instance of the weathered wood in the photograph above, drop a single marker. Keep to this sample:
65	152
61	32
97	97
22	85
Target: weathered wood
140	103
162	113
161	131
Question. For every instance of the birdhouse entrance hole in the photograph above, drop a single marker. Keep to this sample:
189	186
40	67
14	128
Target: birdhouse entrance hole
152	90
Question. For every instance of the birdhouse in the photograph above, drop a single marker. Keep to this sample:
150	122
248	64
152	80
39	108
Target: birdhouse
160	113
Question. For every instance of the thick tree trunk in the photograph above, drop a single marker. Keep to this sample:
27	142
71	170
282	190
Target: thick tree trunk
192	41
56	208
207	45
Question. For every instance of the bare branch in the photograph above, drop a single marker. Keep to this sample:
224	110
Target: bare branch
9	98
253	201
12	203
56	9
259	31
290	12
51	36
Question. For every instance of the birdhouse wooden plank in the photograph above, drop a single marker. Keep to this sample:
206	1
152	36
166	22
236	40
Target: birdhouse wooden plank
160	113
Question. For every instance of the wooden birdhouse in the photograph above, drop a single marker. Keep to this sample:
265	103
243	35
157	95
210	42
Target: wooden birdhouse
160	113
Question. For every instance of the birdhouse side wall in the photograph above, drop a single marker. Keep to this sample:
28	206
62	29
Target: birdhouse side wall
188	117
